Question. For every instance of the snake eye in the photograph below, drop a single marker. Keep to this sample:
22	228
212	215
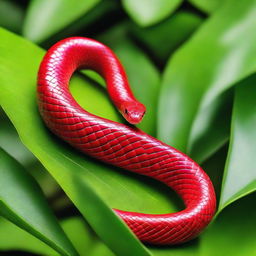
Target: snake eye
126	111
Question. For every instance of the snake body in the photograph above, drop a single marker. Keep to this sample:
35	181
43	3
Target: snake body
122	145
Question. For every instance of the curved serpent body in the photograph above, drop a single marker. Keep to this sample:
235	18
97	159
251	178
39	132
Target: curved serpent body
121	145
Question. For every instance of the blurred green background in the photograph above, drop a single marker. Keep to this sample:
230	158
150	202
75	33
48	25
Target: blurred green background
192	63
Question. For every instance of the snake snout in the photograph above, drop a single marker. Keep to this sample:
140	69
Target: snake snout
133	112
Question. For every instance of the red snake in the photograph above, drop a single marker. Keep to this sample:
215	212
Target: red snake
122	145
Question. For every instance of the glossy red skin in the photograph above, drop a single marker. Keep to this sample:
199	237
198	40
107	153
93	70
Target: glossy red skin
121	145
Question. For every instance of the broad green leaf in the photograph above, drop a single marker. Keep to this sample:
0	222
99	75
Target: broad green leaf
87	24
240	176
77	174
44	18
144	78
207	6
213	60
212	126
233	231
164	38
11	15
149	12
13	238
84	239
23	203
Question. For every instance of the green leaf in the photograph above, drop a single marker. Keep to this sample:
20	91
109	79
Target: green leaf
214	167
213	60
10	142
144	78
44	18
239	176
87	24
207	6
149	12
77	174
77	230
212	126
11	15
23	203
164	38
187	249
14	238
233	232
84	238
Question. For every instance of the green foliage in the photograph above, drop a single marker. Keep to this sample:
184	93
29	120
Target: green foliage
76	229
242	149
208	6
146	13
233	232
192	65
175	30
11	15
56	15
22	202
211	62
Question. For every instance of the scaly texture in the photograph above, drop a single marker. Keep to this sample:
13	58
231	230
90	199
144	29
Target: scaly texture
121	145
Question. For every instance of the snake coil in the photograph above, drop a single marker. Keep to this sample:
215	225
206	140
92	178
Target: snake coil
121	145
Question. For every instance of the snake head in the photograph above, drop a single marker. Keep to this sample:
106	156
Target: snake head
133	112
